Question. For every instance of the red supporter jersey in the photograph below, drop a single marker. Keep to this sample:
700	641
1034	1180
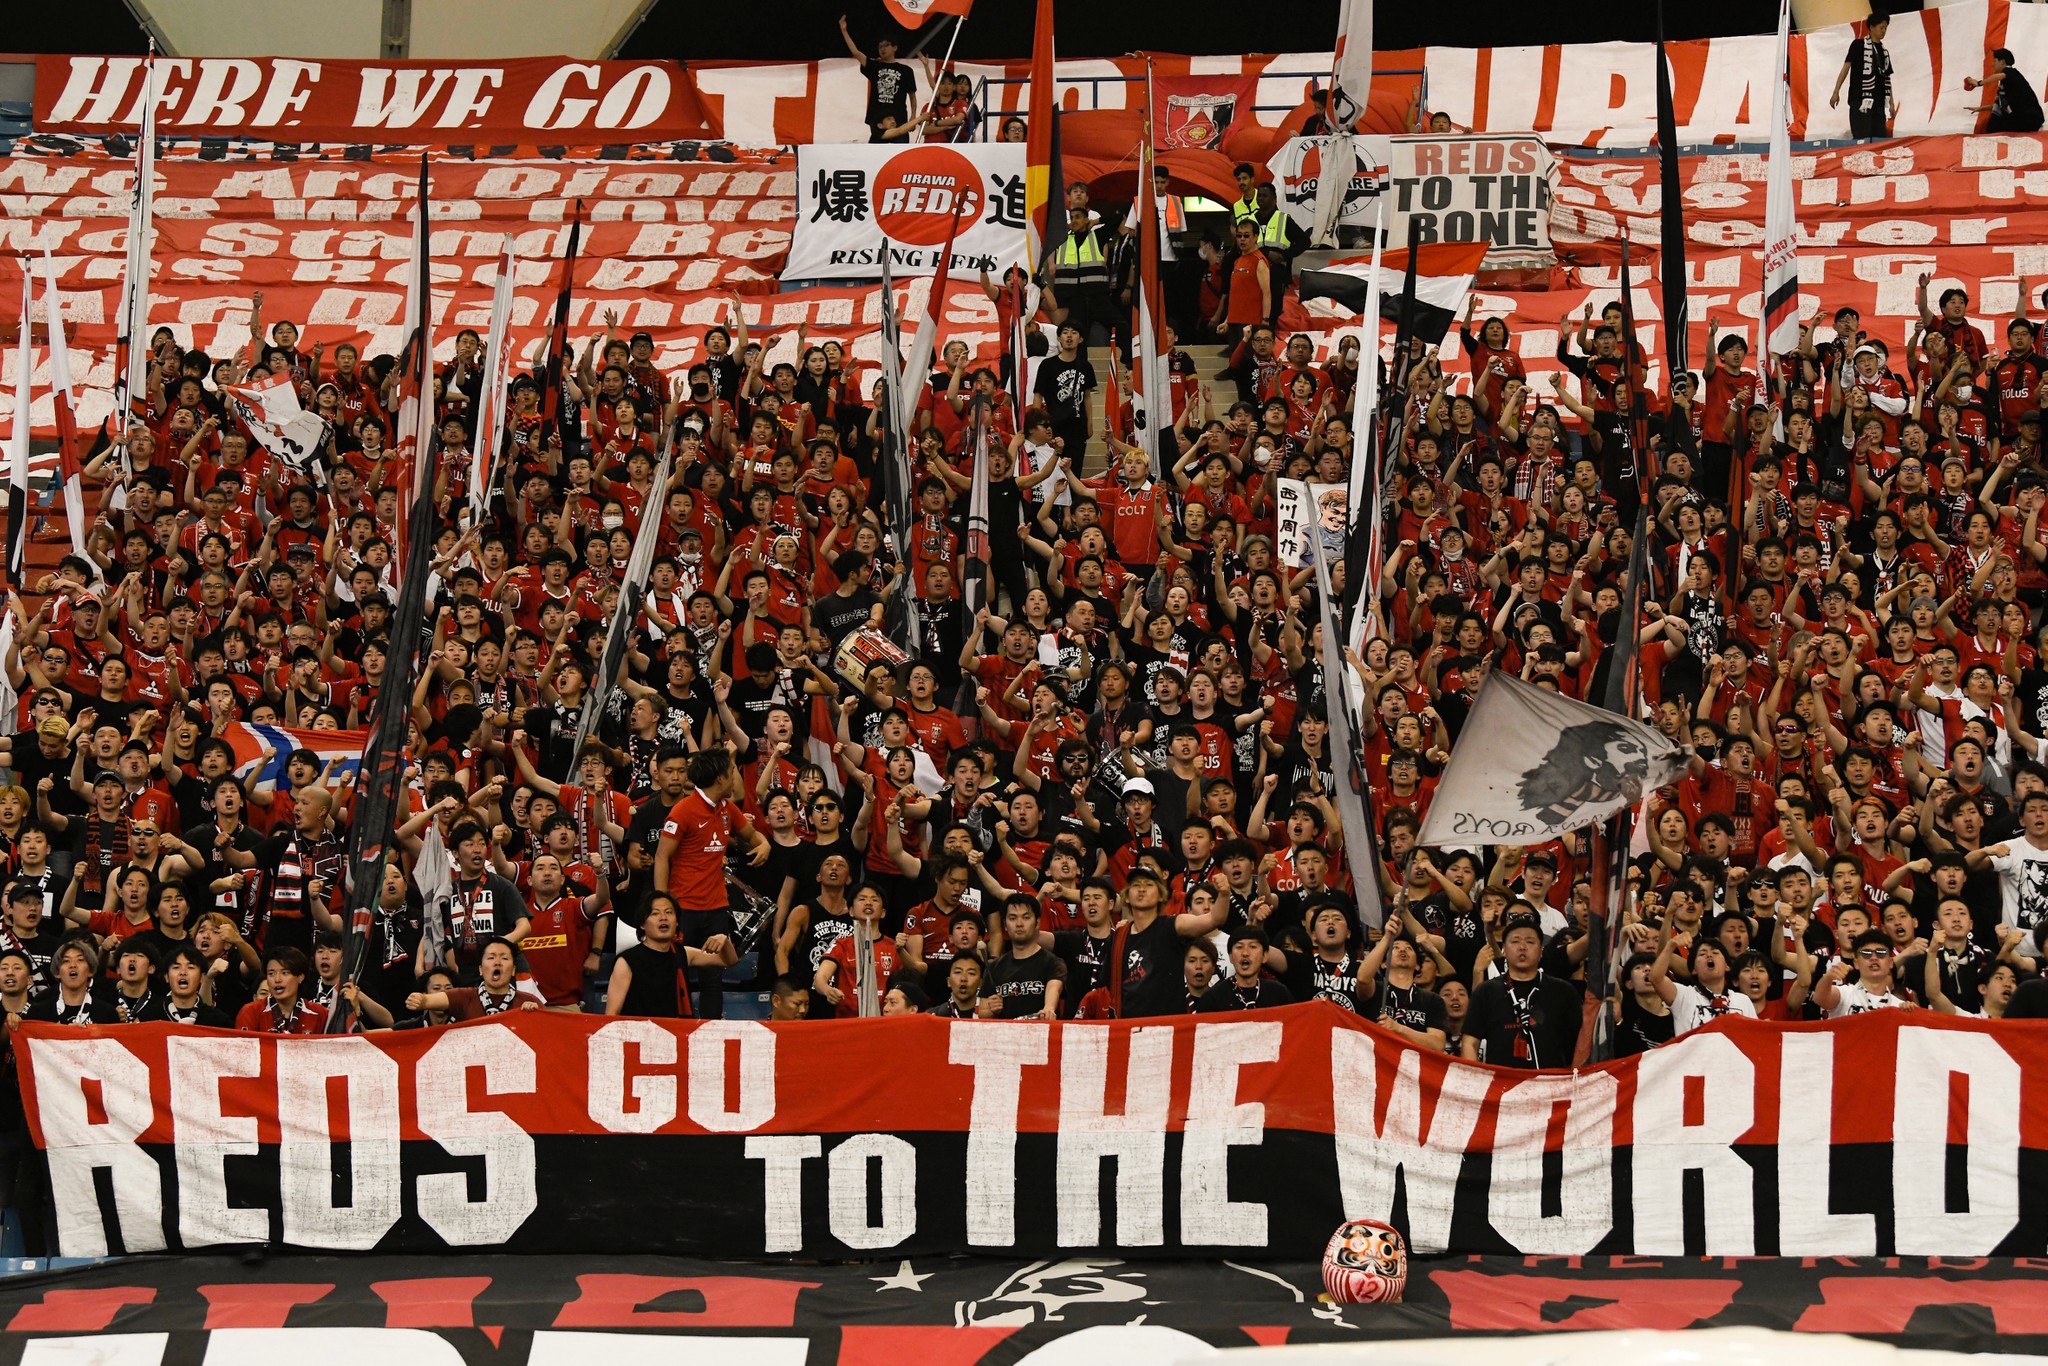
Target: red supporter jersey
703	831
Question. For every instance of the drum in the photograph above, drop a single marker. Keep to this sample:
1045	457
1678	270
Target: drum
863	650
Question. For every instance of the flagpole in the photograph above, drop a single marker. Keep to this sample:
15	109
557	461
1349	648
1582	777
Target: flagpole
945	62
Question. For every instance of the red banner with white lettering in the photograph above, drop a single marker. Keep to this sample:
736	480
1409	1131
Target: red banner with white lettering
1890	1132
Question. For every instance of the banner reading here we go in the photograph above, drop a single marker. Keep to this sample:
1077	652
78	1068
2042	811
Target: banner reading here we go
1891	1132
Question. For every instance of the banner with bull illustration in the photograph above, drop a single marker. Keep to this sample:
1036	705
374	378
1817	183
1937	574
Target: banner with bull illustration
1891	1133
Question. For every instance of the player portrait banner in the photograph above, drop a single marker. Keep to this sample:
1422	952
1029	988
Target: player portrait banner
852	200
1305	509
528	99
1891	1132
1538	765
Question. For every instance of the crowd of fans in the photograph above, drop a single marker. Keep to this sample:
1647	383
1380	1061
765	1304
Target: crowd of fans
1106	788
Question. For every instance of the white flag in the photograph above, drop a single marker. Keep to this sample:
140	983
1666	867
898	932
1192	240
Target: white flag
269	408
1532	764
497	375
1351	73
1781	229
131	351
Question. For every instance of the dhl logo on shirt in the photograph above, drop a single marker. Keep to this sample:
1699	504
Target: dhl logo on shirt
544	941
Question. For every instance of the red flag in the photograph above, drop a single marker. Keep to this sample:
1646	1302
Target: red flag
913	13
1043	219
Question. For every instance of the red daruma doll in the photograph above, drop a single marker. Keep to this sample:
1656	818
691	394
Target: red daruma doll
1366	1263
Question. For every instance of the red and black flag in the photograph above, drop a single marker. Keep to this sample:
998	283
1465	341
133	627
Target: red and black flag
556	411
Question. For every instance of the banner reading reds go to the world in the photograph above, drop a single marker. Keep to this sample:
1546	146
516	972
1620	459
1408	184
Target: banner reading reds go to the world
854	200
1888	1133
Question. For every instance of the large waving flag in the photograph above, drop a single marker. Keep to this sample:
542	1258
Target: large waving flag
554	403
913	13
897	399
1671	223
413	434
490	416
268	409
70	475
262	751
131	347
1351	70
1151	383
17	447
1781	230
1533	764
917	367
1045	210
1443	277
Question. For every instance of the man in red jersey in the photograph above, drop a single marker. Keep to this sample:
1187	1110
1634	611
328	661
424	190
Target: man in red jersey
690	861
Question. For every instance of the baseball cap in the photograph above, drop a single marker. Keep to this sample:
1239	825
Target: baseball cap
1138	787
2031	415
107	775
639	337
1146	871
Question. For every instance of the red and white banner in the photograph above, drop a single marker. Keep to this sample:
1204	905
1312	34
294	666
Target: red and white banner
1600	94
1891	1132
523	99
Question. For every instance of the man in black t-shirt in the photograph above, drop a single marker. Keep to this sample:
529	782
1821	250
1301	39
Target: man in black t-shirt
1026	981
1526	1019
891	84
1063	382
1867	70
1151	968
1246	988
1395	1000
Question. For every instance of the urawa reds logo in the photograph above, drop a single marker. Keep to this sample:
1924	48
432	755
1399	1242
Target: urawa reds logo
919	192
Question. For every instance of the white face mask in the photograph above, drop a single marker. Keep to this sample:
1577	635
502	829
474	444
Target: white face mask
613	519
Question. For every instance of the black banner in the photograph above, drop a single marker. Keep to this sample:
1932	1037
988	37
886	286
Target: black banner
495	1310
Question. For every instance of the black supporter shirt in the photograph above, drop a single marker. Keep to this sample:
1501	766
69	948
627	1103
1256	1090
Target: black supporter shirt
1525	1024
1152	983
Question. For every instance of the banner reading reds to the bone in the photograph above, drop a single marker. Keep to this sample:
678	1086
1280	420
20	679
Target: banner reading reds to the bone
1892	1132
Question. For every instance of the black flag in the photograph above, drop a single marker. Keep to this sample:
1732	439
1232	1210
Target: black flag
1672	222
555	408
380	783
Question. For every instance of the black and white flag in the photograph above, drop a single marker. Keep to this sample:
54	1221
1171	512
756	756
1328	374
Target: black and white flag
1533	764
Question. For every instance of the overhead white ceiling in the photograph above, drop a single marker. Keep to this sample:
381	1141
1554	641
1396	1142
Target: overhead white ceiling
438	29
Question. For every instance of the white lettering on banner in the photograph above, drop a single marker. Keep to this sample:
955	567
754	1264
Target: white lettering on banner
847	1194
206	1137
782	1186
1217	1122
101	1349
555	1347
998	1057
1373	1153
1931	1063
654	1092
309	1135
1521	1133
329	1347
1134	1140
1806	1224
80	1143
442	1094
711	1045
1667	1145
